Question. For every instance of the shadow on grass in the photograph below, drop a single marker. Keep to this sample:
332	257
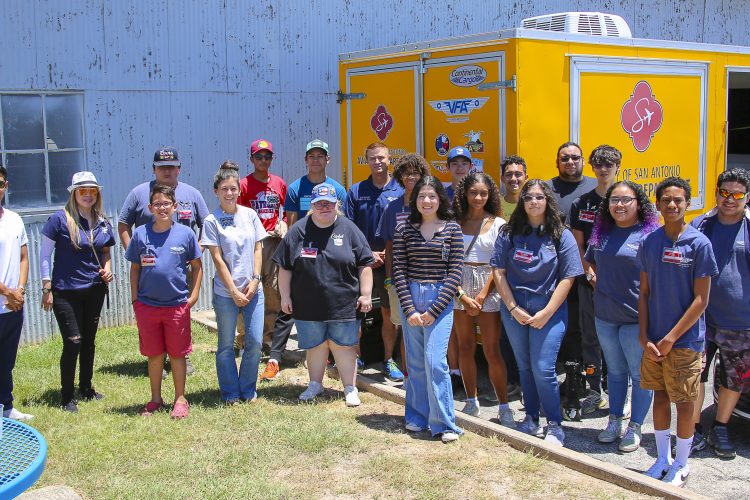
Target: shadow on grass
133	368
50	397
392	423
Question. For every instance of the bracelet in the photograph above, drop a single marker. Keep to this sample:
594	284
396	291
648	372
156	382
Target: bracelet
45	291
256	277
387	282
513	308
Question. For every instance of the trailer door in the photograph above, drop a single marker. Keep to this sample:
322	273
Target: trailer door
382	105
464	105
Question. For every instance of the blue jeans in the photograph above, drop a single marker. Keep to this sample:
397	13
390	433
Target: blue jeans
310	334
235	385
623	353
536	353
429	395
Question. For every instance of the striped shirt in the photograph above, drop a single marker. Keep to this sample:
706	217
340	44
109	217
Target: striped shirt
439	260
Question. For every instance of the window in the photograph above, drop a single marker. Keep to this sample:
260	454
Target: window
42	144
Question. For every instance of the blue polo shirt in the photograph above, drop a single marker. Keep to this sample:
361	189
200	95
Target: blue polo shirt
618	279
191	207
395	213
533	263
365	204
164	259
299	194
672	269
729	306
76	269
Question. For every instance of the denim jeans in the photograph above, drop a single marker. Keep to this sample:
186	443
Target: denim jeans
623	353
235	385
429	395
536	353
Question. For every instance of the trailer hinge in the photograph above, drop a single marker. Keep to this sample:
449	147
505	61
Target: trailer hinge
341	97
504	84
422	58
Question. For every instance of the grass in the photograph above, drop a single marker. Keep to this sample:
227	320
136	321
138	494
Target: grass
274	448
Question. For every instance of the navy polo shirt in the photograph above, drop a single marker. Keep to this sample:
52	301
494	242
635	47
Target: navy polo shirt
365	204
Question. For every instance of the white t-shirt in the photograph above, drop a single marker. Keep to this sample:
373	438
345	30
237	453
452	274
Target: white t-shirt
235	235
12	238
481	252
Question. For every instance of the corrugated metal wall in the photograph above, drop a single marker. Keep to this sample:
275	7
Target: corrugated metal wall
208	76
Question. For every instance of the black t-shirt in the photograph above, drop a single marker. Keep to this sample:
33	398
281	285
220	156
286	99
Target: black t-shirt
582	214
567	192
324	262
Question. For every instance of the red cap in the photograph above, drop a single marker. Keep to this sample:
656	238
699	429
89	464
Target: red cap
259	145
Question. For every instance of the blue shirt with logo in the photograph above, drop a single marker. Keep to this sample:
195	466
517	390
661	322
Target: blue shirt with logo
533	263
191	207
365	204
77	268
395	213
299	194
672	269
164	259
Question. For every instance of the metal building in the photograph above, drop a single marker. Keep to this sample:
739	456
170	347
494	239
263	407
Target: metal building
100	84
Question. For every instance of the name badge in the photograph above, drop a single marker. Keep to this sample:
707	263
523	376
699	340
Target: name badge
184	214
672	256
148	260
309	253
586	215
523	255
304	203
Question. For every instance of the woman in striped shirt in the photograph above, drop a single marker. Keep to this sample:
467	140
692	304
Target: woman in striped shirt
427	268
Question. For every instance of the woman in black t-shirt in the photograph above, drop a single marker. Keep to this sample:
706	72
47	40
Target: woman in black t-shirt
323	280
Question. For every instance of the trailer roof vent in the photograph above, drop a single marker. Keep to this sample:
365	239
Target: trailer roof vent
587	23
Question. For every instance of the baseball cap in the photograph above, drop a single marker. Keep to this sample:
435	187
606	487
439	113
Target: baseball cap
83	179
459	151
260	145
167	156
323	192
316	144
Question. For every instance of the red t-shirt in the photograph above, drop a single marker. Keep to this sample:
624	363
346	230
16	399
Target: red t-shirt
266	198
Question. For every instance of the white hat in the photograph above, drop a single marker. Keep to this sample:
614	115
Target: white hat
83	179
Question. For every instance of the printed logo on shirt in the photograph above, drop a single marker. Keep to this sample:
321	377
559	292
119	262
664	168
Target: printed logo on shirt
338	239
586	215
308	252
266	204
177	250
633	246
226	221
391	198
363	197
523	255
675	256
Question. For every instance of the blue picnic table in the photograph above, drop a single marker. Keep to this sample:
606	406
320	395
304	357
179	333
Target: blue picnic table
23	455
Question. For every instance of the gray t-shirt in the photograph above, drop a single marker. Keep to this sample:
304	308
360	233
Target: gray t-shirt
567	192
235	235
191	207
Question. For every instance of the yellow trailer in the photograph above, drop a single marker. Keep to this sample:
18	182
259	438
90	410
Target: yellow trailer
672	108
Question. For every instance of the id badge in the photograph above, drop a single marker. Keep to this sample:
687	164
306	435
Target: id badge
304	204
309	253
148	260
523	255
671	255
184	214
586	215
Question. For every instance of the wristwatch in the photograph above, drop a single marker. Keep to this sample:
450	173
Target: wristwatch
45	291
256	277
590	276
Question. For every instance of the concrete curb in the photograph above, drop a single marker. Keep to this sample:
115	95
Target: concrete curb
580	462
50	493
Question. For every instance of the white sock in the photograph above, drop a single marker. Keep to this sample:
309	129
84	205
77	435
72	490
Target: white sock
455	371
313	383
273	361
472	400
504	406
663	445
683	450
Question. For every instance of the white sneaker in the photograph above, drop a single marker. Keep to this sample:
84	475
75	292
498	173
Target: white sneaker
449	437
313	390
17	415
529	426
631	441
613	431
471	408
505	416
658	470
352	396
677	474
555	434
413	427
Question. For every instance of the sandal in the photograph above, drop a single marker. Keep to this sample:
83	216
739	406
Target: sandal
180	410
151	408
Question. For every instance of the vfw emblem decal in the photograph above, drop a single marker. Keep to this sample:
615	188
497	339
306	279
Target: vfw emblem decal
381	122
641	116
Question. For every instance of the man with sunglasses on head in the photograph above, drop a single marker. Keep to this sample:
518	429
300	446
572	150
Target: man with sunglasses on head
727	316
265	192
605	160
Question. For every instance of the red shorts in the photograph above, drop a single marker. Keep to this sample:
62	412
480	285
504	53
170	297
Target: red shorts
163	329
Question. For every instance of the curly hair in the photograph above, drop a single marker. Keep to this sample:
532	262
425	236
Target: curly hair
444	208
461	202
648	218
518	223
410	161
605	155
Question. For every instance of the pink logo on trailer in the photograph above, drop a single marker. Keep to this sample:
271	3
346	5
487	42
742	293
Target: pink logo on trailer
381	122
641	116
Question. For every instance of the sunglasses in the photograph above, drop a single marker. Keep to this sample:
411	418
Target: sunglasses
622	200
88	191
259	156
538	197
3	184
729	194
567	158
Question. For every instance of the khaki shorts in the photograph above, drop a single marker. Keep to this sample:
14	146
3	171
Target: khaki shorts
395	305
679	375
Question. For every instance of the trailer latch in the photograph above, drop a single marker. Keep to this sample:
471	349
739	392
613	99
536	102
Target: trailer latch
341	97
504	84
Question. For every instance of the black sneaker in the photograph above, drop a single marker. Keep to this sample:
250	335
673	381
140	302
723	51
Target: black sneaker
71	406
718	438
699	444
90	394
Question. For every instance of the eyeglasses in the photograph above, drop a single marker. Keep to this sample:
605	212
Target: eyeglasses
567	158
3	184
621	200
600	166
729	194
413	175
537	197
259	156
88	191
159	206
510	175
323	204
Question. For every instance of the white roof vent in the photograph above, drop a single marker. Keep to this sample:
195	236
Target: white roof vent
586	23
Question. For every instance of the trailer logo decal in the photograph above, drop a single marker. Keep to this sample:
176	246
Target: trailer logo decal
641	116
468	76
381	122
442	144
457	110
475	144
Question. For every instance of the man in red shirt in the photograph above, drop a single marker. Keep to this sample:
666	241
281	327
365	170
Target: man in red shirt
265	193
